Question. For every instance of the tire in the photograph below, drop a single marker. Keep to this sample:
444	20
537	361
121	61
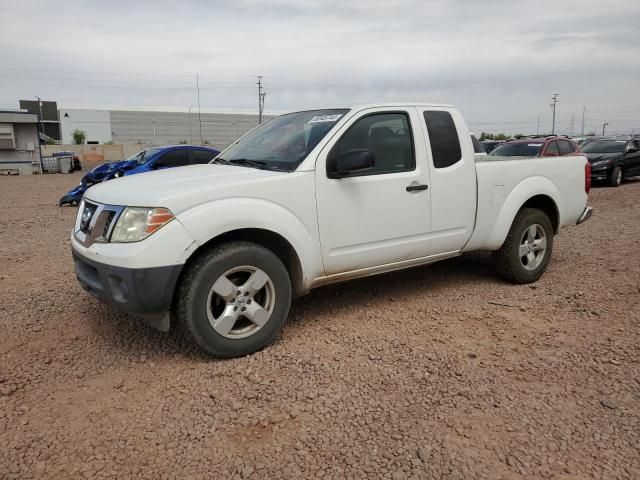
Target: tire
615	179
526	269
207	297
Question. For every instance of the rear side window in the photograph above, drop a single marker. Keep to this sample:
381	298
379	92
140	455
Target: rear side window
552	148
445	144
201	156
565	147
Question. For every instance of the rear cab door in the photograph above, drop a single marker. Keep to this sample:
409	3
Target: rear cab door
453	178
378	216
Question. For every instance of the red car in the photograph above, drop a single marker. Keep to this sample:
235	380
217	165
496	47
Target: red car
552	146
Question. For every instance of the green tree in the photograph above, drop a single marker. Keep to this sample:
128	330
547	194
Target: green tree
79	136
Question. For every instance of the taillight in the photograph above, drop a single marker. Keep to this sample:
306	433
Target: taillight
587	177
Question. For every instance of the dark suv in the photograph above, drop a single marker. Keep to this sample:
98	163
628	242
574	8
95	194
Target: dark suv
552	146
614	159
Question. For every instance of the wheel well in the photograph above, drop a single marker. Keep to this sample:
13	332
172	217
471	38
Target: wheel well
548	206
268	239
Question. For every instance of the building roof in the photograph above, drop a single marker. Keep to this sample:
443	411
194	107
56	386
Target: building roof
17	116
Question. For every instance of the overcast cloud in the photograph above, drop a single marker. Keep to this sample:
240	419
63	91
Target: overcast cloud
498	61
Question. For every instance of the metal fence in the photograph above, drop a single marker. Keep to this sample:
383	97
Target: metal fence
57	164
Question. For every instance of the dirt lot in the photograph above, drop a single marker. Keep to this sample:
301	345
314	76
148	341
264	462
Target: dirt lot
437	372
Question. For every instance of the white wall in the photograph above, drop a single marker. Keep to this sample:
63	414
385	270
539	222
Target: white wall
95	123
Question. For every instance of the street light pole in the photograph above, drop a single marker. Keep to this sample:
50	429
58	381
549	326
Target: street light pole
41	130
604	125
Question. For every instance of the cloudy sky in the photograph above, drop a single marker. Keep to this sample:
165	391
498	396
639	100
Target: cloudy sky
499	61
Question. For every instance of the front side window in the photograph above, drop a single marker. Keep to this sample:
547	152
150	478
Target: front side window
173	158
284	142
443	136
387	136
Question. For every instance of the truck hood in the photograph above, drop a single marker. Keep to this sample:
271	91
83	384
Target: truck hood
180	188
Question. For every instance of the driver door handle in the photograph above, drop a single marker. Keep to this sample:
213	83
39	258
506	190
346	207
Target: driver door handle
417	187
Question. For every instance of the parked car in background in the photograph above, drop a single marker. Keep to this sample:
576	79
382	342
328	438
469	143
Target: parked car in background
150	159
552	146
76	166
612	160
490	145
312	198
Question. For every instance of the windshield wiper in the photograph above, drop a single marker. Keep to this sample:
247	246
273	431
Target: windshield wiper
245	162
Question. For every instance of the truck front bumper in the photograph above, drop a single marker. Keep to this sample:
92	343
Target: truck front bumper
586	215
146	292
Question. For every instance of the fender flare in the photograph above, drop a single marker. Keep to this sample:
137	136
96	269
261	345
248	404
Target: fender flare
239	213
523	192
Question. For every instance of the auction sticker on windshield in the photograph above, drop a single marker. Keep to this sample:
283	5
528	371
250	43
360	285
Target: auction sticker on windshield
325	118
534	144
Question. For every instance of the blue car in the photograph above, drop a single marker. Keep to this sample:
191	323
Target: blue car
155	158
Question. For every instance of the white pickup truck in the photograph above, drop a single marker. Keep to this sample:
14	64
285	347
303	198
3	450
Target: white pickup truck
312	198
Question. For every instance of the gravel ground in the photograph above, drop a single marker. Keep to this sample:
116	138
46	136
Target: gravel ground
437	372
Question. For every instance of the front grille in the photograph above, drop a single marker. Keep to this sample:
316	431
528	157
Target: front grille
95	222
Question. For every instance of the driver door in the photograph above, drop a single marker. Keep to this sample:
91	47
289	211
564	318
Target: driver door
380	215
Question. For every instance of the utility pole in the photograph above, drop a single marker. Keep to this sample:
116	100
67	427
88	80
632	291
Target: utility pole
553	106
199	112
604	125
190	137
41	130
573	123
538	126
584	110
261	94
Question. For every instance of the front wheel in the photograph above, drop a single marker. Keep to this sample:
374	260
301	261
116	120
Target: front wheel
526	251
234	300
615	179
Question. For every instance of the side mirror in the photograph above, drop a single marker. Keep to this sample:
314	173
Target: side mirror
351	161
631	148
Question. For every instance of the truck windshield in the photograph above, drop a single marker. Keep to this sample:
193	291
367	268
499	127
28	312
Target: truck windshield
518	149
283	142
608	146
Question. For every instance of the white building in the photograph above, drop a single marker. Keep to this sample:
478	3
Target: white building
155	128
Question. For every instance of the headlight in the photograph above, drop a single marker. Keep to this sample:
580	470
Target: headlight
600	163
137	223
117	174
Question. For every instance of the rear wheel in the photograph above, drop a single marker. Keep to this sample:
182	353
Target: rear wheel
234	300
526	251
615	179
